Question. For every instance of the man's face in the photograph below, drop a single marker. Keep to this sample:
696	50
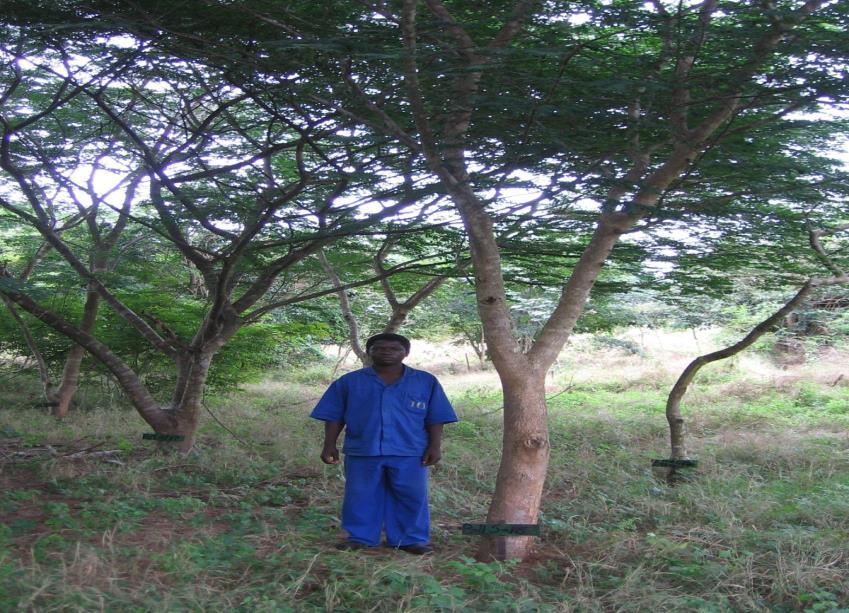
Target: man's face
387	353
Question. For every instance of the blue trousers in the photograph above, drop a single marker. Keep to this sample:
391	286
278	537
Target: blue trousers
386	492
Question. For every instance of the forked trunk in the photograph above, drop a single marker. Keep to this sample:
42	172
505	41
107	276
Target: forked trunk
524	462
396	320
188	399
182	416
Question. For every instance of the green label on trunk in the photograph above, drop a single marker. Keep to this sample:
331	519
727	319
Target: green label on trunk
675	463
502	529
155	436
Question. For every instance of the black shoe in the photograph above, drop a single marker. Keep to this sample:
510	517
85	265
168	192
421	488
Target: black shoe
351	545
418	549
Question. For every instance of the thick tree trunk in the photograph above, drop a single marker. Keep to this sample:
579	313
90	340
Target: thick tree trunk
396	320
186	412
524	462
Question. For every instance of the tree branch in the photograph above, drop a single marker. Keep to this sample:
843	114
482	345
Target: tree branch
345	306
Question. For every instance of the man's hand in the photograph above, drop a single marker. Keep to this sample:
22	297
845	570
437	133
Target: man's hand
431	456
433	453
330	455
329	452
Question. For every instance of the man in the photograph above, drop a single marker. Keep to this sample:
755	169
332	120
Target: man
393	417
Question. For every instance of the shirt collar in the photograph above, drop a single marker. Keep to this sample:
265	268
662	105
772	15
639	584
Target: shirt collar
371	371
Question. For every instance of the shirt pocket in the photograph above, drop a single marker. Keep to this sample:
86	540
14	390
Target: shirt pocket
415	403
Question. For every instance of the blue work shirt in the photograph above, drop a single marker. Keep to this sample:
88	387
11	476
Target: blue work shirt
385	419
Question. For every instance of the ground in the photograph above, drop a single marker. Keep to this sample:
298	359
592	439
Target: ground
92	517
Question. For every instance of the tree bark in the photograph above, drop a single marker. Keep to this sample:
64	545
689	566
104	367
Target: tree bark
677	434
442	143
347	311
187	412
182	417
557	330
48	388
73	361
161	420
524	463
400	310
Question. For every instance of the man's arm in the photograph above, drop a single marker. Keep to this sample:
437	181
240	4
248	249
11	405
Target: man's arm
330	453
433	453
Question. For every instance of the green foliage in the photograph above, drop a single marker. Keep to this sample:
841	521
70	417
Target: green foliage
180	505
821	601
569	98
622	344
482	576
253	350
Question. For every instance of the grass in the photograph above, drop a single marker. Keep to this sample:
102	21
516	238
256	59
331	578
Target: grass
761	525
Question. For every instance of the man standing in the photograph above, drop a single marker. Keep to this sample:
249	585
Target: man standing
393	417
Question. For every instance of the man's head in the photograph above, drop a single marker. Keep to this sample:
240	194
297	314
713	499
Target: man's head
387	348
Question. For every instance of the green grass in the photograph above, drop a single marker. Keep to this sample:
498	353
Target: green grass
761	524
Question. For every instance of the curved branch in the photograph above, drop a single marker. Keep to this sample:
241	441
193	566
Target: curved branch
345	306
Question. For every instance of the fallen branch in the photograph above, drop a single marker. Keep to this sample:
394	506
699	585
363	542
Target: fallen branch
92	454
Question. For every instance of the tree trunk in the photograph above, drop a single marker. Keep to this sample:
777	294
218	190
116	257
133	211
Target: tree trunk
47	387
73	362
524	462
176	420
396	320
477	344
400	310
347	311
186	412
677	435
443	144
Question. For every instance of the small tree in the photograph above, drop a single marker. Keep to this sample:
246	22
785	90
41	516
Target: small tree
239	186
839	276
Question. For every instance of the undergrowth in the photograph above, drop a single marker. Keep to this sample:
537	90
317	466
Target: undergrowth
248	521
